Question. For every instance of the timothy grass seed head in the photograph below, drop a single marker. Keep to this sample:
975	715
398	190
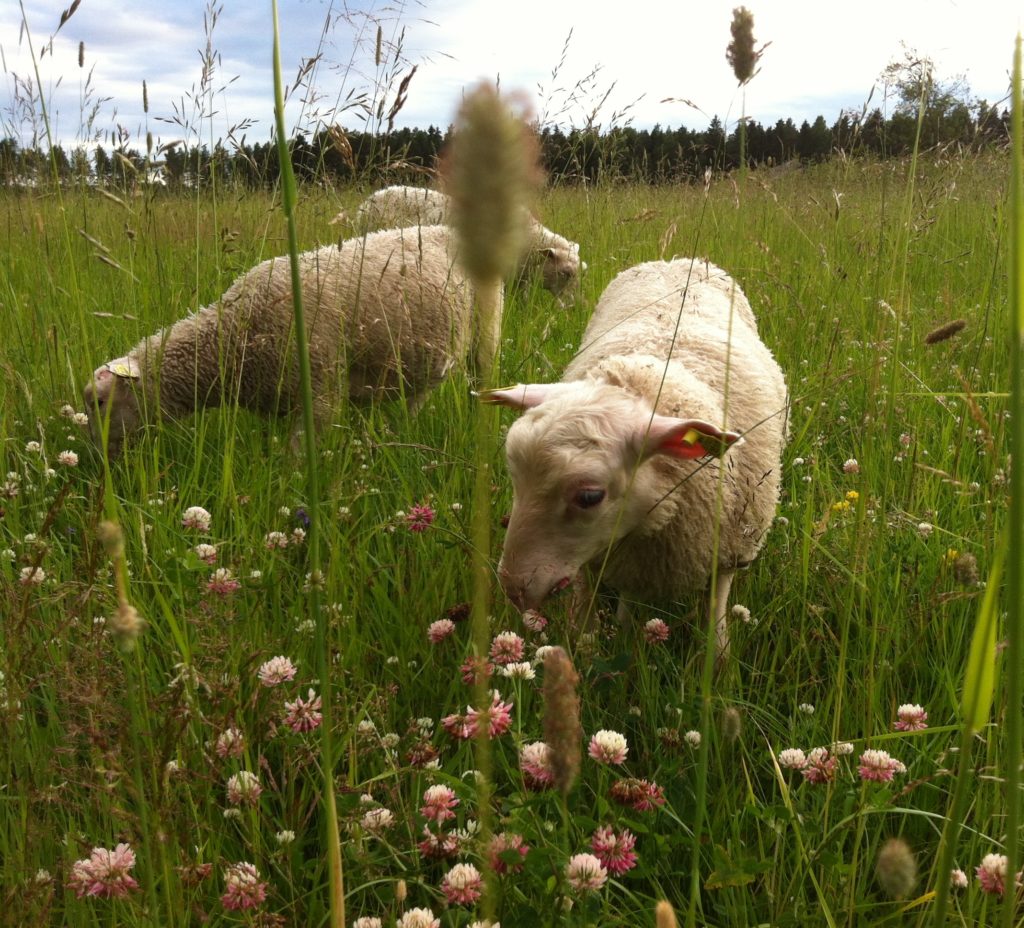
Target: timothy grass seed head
896	869
491	173
562	730
740	52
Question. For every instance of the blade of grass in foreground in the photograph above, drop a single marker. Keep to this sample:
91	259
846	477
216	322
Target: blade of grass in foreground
1015	541
288	196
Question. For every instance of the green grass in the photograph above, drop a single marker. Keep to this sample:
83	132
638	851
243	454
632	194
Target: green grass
857	610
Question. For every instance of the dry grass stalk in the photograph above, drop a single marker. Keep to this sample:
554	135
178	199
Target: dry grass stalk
562	730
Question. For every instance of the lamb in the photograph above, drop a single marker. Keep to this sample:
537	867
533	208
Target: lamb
619	466
386	314
556	258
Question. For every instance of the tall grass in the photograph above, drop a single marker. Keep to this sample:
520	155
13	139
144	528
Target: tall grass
857	604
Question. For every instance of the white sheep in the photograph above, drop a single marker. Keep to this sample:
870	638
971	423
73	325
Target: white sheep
625	466
385	314
555	257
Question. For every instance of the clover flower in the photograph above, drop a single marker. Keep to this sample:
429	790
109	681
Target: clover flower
608	747
377	820
243	887
585	873
820	766
910	717
302	715
535	763
506	852
438	846
195	517
104	873
244	788
506	648
438	802
419	518
230	743
497	717
222	582
418	918
878	766
641	795
277	670
656	631
792	758
615	851
461	885
439	630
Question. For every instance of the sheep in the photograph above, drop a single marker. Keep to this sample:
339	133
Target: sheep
556	258
619	467
386	314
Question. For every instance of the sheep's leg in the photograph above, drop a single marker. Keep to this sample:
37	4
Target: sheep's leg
723	583
623	614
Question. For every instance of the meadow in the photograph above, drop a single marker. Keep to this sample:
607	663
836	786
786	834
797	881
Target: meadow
198	750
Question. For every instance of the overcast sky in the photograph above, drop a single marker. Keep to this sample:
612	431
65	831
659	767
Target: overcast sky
824	57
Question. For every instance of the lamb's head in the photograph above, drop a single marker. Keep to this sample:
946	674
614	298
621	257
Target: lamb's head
112	396
580	459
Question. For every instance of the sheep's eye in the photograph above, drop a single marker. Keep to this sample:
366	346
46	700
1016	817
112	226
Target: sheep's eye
588	497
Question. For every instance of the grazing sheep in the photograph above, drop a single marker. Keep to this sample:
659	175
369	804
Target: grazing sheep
557	259
620	465
384	314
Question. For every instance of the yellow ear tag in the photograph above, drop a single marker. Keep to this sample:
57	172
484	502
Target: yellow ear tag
691	437
123	368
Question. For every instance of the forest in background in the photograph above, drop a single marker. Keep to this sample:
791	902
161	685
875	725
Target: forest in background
575	155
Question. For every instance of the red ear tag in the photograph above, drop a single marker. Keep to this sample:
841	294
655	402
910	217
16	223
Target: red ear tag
701	443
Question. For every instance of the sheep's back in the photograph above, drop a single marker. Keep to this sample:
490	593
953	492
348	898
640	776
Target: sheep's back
395	305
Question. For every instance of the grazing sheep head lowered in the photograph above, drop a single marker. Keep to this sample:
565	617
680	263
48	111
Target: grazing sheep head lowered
622	466
583	460
111	396
389	315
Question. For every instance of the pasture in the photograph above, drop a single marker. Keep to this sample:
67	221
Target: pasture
864	598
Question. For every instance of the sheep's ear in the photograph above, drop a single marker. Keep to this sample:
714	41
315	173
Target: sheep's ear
687	438
522	396
122	367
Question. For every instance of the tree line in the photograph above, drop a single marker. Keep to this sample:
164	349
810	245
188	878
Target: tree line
655	155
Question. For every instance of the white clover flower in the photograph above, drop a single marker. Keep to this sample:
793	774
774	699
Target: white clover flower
197	518
519	670
284	837
692	738
32	576
68	458
806	708
792	758
377	820
741	612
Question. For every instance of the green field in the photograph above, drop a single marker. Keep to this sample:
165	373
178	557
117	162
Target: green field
862	599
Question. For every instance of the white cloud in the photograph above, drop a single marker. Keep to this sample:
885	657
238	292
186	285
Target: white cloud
822	57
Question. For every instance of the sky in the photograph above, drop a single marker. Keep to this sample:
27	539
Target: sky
642	63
